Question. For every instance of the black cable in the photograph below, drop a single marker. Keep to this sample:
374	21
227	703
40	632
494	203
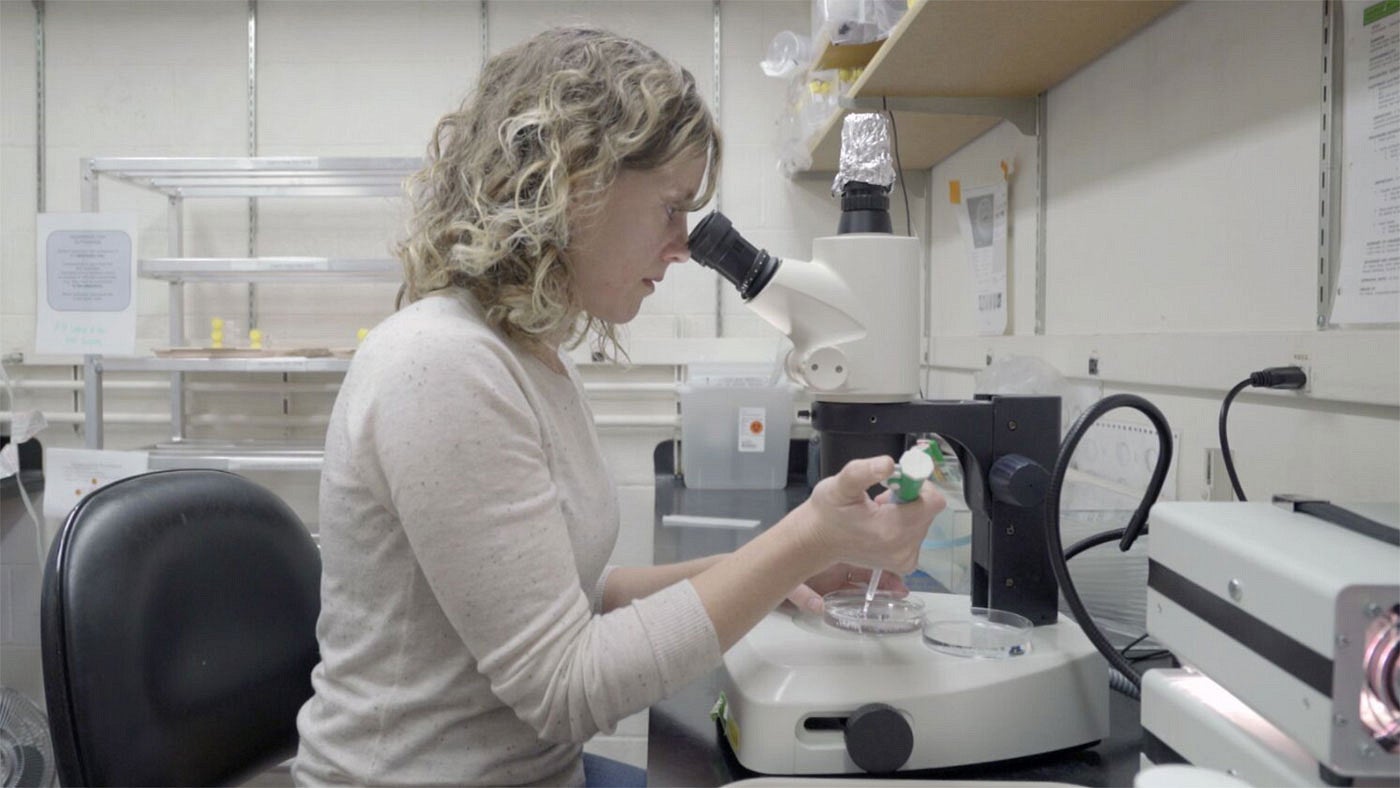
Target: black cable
1105	537
1158	654
1140	638
1290	377
1097	539
899	169
1136	525
1225	438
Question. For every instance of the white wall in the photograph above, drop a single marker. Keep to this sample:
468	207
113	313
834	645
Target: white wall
1181	251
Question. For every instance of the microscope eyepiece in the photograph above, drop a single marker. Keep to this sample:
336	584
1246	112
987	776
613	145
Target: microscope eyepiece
714	243
865	208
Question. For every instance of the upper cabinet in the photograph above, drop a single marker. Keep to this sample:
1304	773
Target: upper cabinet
977	49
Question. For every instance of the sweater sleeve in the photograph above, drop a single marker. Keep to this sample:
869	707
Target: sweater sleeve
595	599
462	455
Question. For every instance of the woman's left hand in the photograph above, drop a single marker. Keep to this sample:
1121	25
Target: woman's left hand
808	596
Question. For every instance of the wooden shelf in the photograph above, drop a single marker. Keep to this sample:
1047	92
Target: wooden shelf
844	55
979	49
924	140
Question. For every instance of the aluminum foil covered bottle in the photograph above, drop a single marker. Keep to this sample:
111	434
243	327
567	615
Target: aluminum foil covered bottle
866	174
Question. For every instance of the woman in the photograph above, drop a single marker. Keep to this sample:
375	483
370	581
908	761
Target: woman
470	632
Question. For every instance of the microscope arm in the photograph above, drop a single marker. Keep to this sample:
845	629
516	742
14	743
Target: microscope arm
810	305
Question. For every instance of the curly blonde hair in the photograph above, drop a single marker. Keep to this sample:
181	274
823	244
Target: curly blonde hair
509	173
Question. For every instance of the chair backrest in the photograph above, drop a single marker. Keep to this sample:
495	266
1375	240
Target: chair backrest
178	624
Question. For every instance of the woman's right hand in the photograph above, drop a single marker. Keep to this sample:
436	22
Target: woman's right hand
839	522
850	526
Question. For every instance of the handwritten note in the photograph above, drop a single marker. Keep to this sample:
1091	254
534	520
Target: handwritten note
87	284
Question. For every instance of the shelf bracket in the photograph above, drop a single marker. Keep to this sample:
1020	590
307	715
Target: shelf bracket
92	402
1020	111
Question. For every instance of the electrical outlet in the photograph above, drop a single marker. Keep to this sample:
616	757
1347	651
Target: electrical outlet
1217	479
1303	361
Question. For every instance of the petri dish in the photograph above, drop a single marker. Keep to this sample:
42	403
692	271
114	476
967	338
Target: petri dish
886	614
984	633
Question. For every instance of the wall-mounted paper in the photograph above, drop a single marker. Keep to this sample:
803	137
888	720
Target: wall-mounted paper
1368	279
982	219
87	284
69	474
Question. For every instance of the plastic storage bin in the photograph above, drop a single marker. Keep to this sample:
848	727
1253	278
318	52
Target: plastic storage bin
735	427
946	553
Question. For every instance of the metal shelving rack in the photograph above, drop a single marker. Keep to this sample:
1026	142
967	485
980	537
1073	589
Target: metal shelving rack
246	177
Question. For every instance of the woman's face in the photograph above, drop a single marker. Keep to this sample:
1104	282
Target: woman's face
619	253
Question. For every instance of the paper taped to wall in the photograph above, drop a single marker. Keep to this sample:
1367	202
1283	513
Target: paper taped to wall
982	219
70	474
1368	277
87	284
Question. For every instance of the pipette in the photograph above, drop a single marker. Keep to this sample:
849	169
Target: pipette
914	467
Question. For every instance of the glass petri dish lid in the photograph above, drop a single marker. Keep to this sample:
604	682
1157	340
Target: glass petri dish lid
885	614
983	633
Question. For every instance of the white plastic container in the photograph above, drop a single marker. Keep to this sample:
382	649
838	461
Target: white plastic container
736	422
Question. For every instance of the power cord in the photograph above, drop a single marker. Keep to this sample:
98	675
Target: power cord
1118	680
1272	378
899	168
1103	537
1124	677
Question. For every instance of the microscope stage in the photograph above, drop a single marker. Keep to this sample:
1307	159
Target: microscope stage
794	683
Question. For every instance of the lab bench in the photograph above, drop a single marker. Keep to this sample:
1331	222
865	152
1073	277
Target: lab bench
684	746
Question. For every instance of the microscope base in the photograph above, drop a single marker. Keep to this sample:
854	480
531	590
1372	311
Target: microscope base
793	682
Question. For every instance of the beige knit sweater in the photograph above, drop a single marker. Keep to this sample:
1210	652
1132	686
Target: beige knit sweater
466	518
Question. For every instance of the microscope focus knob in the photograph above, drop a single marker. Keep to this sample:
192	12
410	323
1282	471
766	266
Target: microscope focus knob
878	738
1019	481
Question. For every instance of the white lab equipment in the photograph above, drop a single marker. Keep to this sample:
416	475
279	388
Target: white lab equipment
1178	776
1294	609
1186	717
802	697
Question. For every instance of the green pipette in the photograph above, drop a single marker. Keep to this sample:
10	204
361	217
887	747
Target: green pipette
915	466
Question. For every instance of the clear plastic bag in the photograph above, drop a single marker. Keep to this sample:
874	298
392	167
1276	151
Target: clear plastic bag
856	21
789	53
812	100
1031	375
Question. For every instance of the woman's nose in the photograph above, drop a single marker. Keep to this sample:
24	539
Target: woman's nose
677	248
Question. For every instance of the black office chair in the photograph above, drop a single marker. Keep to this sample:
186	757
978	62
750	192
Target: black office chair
178	624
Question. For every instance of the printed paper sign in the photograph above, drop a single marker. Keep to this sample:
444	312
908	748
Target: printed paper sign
982	219
70	474
1368	279
87	284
